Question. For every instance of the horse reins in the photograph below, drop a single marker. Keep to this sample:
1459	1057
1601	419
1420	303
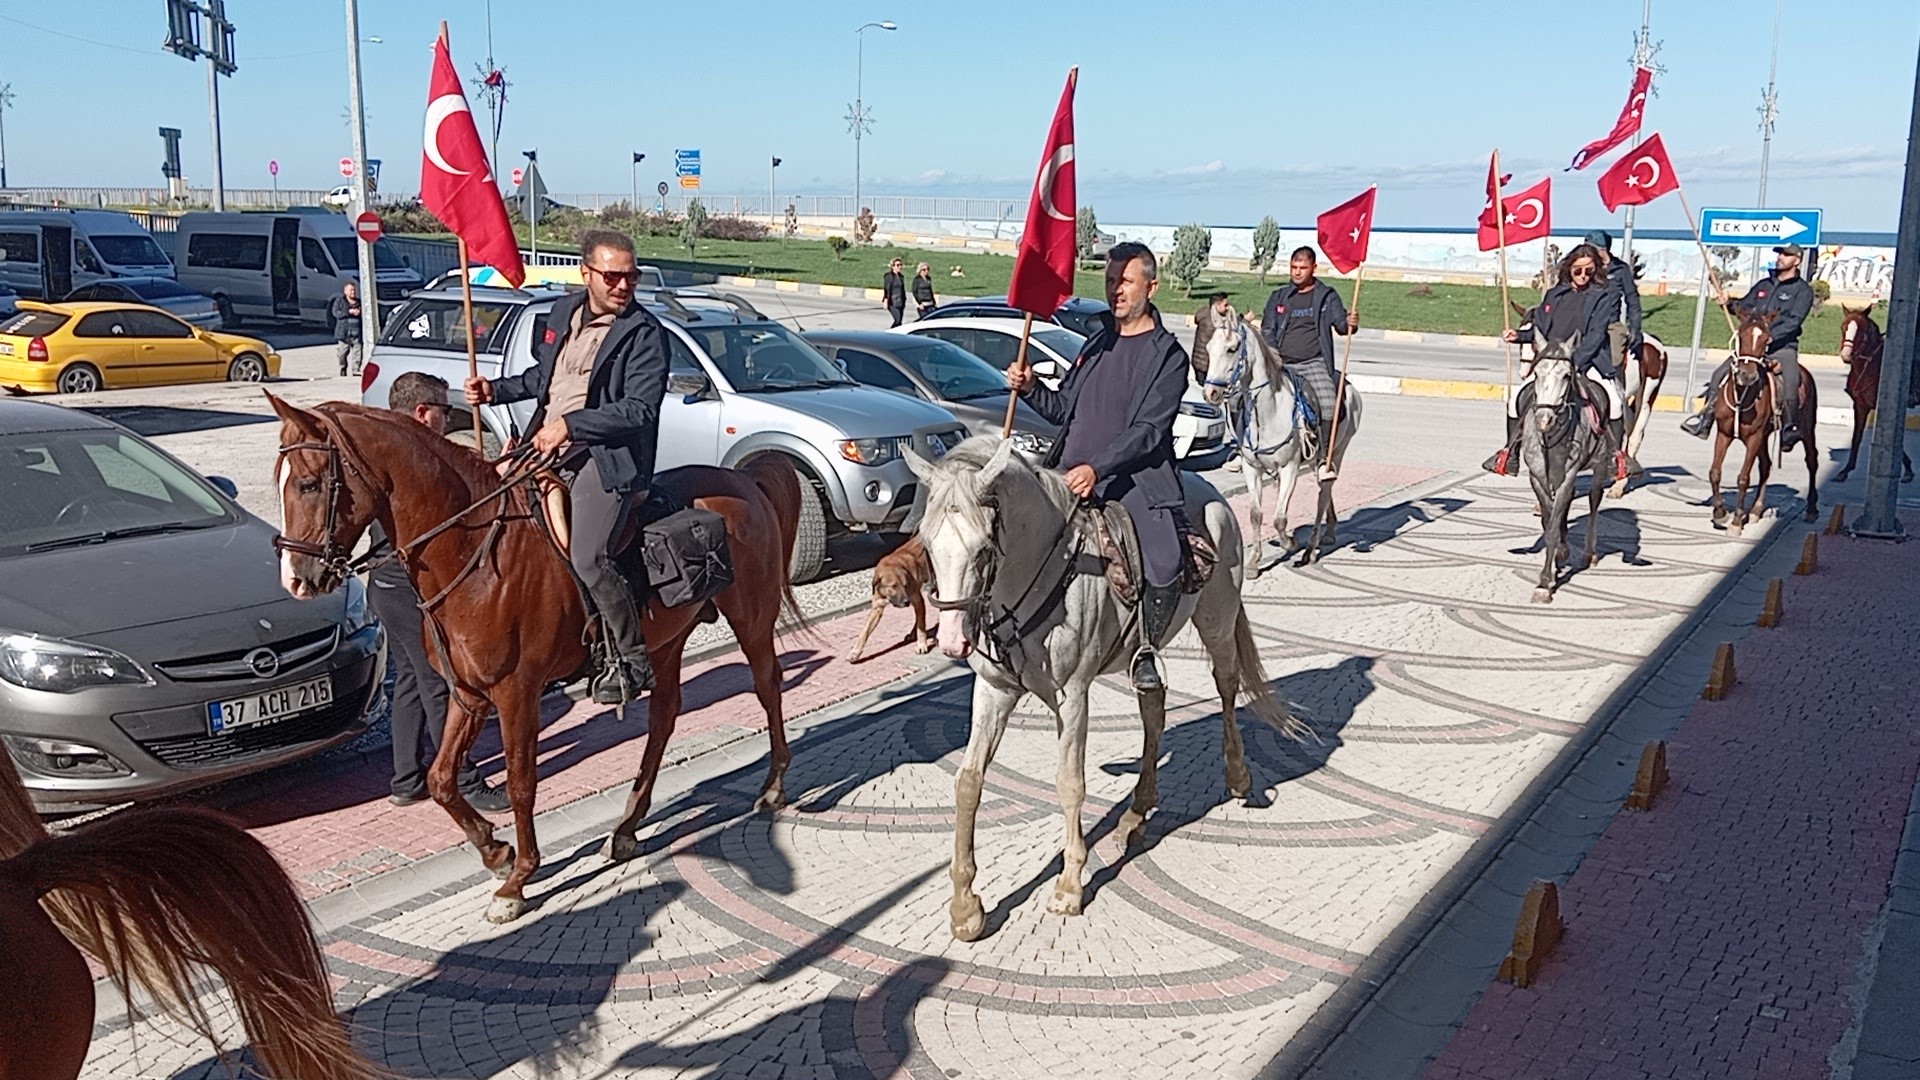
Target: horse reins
1241	417
1010	626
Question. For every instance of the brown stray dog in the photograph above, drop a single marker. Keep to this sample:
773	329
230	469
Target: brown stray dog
900	580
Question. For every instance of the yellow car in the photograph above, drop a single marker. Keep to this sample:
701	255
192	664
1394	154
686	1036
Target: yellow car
81	347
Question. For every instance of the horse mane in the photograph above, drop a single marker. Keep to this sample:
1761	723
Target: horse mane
462	459
972	455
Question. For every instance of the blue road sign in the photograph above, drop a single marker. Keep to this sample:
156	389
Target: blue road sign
1759	228
686	163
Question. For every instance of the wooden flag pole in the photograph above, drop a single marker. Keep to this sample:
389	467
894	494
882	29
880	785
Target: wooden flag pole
1706	259
1506	305
473	354
1340	385
1019	361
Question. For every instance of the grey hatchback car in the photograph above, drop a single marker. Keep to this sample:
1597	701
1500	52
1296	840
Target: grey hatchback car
146	645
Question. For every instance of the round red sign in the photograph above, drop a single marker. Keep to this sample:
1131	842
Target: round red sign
346	167
368	226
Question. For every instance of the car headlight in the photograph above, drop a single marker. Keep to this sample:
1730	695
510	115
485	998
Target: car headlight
1200	409
359	615
1029	443
40	663
870	451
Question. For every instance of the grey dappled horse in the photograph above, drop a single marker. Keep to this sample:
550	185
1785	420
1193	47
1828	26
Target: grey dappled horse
1263	413
1022	592
1558	444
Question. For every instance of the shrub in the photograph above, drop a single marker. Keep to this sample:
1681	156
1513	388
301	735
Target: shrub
865	226
691	226
1266	246
1822	291
407	217
1086	234
1192	244
729	227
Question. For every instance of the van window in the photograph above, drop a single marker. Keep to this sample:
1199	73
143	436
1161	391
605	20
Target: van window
128	249
314	257
102	324
436	324
21	246
83	257
226	251
346	254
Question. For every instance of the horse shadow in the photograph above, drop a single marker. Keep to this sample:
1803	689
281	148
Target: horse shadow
1191	781
1368	528
1619	532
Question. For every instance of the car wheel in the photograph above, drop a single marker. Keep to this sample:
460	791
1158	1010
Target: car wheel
80	379
229	319
247	367
810	544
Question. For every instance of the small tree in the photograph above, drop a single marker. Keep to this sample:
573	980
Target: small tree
864	226
793	221
1726	273
690	228
839	245
1086	234
1192	244
1266	246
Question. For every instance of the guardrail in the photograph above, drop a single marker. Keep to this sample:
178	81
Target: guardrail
90	198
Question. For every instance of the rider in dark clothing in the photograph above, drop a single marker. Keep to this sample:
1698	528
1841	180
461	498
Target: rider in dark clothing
1790	298
1624	333
1300	320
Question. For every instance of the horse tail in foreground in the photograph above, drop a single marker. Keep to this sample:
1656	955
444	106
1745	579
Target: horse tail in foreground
1253	682
775	476
156	895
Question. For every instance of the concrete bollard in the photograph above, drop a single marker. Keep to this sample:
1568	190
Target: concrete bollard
1771	611
1537	932
1837	524
1651	779
1720	677
1809	555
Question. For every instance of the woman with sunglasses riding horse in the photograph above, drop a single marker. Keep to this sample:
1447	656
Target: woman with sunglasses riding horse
601	376
1582	303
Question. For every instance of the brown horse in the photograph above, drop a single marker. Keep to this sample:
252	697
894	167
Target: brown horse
1861	346
157	898
1643	375
504	615
1745	410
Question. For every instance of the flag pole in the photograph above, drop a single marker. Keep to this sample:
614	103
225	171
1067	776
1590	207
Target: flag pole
1506	305
1346	354
1705	259
1019	361
473	355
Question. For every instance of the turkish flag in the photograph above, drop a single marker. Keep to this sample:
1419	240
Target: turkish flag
1624	127
1043	267
1529	216
1495	181
1644	174
1345	230
455	183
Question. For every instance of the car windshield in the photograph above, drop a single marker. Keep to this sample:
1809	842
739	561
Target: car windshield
953	371
72	488
159	289
766	357
129	249
1062	341
34	323
346	254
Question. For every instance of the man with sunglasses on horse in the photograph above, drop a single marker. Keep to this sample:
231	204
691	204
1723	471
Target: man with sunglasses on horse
1788	296
1582	304
601	376
1115	410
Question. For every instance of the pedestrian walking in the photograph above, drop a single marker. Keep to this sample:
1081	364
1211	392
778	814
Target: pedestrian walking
420	695
923	290
1299	323
893	288
344	314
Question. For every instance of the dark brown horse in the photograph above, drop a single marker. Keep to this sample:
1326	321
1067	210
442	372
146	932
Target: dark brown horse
1861	347
1745	410
504	616
157	898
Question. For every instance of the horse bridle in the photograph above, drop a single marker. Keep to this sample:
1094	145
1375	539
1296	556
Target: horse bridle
331	553
1240	418
994	634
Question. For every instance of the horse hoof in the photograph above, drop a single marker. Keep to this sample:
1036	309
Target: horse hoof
1737	528
619	848
505	909
1543	596
1618	490
1839	477
1719	516
1239	781
1064	903
1593	561
969	917
770	800
504	867
1812	514
1133	828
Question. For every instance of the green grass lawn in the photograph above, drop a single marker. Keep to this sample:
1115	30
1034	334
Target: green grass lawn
1386	305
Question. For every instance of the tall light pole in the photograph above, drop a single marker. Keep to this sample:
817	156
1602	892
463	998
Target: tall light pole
6	102
1643	53
184	35
491	84
1769	112
369	276
533	189
859	121
634	175
1903	314
772	187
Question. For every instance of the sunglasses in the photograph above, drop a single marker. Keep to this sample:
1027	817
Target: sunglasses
613	277
1583	271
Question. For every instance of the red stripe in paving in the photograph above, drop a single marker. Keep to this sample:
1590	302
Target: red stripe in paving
1716	936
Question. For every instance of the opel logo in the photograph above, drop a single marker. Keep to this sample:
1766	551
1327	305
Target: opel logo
264	662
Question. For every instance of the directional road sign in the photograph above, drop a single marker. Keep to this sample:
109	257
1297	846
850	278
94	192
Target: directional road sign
690	182
686	163
1759	228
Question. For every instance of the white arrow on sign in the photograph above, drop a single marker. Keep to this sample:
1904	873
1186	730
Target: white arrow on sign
1781	228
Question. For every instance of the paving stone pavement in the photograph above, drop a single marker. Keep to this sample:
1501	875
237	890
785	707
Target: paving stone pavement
815	942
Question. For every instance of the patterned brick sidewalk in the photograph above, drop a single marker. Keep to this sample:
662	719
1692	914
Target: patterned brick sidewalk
1718	935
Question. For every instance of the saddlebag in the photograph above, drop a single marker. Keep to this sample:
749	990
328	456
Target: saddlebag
686	557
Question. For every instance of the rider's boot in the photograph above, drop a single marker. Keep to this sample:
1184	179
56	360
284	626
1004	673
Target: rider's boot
1506	460
1617	431
1158	603
629	671
1700	424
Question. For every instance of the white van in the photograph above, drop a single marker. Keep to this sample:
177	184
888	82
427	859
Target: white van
281	266
46	254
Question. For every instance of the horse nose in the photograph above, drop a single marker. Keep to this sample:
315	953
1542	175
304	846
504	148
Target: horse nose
1213	395
953	636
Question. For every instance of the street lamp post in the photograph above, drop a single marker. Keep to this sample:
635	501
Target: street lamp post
184	27
1769	112
634	172
532	191
857	118
6	101
1881	519
369	280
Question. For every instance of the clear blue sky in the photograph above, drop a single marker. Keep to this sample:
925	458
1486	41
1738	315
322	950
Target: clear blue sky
1220	117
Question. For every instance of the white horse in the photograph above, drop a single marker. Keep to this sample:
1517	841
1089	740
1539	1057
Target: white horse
1022	592
1269	428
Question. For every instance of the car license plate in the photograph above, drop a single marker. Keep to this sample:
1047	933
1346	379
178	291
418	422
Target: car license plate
267	707
6	348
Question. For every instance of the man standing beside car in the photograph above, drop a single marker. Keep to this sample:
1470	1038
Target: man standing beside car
344	314
600	377
893	288
419	693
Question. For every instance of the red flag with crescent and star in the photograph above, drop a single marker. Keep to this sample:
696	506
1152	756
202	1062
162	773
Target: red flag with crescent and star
1529	216
1043	268
455	183
1623	128
1643	175
1346	229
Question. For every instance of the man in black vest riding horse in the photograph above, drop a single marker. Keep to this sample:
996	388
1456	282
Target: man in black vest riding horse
1788	295
601	375
1115	410
1299	323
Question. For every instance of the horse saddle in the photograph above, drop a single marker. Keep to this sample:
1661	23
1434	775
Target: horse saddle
559	513
1119	544
682	554
1593	403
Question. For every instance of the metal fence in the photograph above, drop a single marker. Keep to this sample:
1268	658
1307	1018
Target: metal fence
78	198
885	207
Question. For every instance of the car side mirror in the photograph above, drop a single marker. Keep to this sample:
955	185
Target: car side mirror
226	487
689	385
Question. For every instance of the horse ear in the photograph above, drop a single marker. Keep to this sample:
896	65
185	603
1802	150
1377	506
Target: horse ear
996	464
293	414
920	466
